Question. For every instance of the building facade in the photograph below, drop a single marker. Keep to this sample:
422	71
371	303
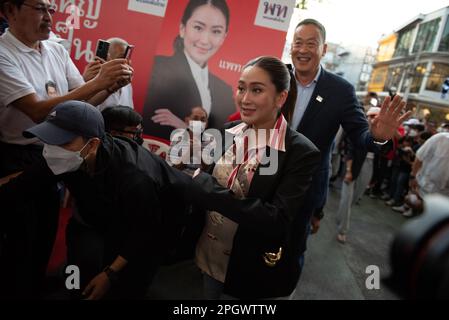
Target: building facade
418	65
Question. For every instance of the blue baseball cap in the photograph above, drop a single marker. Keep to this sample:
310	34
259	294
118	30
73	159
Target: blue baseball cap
68	120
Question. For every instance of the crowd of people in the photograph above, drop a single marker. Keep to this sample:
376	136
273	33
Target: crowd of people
132	211
392	175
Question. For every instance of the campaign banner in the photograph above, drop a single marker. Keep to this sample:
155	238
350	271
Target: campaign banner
83	23
216	43
274	14
151	7
201	50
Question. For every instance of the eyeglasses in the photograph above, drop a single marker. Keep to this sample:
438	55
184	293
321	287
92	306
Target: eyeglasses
43	9
136	134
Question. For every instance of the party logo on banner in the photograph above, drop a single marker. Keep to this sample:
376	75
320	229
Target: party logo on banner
152	7
274	14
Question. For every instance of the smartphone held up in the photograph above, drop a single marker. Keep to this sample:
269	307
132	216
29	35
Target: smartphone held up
102	49
128	52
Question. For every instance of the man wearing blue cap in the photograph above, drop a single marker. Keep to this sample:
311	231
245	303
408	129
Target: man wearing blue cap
117	186
36	75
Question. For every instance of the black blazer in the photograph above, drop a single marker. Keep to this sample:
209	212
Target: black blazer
333	103
172	86
268	219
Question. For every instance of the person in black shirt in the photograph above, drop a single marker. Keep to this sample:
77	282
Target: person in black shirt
118	188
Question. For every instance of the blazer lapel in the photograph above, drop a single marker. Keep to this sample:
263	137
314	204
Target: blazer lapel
316	102
184	70
262	184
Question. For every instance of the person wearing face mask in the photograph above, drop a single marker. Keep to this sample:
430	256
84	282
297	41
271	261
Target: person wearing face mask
181	82
412	133
29	61
115	235
195	124
166	118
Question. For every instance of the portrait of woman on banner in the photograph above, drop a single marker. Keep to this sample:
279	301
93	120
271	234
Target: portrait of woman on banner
182	82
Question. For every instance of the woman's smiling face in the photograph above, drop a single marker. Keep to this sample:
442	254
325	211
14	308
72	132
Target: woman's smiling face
204	33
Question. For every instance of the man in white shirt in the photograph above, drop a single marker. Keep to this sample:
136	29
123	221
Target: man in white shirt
430	166
28	63
123	96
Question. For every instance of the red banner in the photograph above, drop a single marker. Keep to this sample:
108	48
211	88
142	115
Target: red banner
103	19
256	27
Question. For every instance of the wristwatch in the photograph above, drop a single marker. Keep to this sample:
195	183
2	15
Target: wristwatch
112	275
380	143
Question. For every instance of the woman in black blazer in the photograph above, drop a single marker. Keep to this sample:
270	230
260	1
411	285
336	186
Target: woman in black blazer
173	86
248	248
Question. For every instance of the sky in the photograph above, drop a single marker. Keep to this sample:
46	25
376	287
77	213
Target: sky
362	22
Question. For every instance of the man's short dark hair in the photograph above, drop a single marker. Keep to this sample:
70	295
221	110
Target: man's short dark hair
119	117
317	24
17	3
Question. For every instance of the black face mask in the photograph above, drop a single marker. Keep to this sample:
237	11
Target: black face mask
138	140
137	135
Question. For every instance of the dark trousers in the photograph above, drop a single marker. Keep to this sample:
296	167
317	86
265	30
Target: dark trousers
89	251
27	238
381	172
85	250
399	185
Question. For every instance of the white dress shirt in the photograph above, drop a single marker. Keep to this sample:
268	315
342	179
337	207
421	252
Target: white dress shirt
201	76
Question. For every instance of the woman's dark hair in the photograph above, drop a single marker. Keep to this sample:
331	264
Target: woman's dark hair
119	117
283	79
178	44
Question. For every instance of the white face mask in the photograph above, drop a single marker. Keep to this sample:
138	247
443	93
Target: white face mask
60	160
413	133
197	124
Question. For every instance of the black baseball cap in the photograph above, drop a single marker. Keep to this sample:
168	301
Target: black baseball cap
68	120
